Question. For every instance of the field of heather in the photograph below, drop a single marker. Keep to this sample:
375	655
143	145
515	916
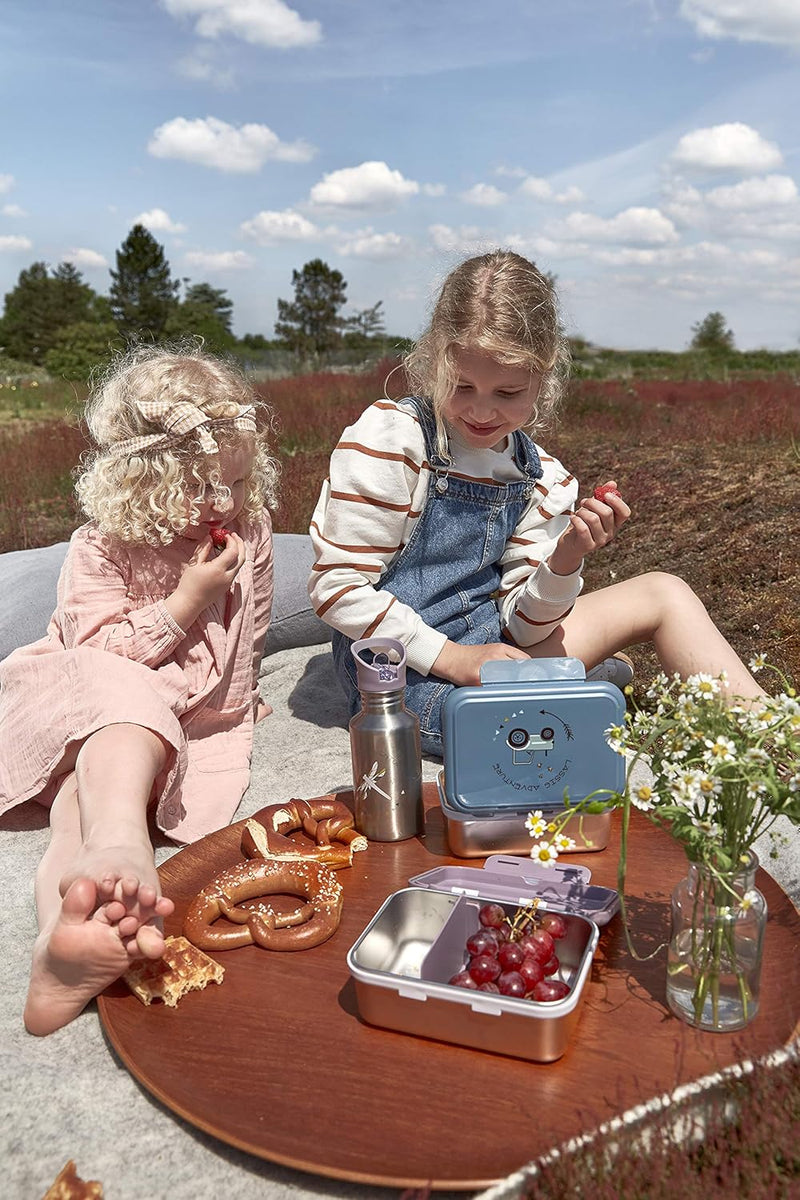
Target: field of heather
710	468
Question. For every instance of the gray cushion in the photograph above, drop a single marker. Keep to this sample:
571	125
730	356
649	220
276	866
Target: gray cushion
28	581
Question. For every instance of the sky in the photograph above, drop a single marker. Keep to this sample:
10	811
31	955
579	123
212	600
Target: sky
646	152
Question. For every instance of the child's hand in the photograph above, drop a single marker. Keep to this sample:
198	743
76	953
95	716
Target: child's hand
206	578
593	525
462	664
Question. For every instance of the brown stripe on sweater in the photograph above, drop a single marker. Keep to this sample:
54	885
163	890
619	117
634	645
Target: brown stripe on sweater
353	499
355	549
386	455
351	566
323	608
368	632
552	621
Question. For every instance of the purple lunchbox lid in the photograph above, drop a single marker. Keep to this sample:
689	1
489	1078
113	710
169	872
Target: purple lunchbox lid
504	877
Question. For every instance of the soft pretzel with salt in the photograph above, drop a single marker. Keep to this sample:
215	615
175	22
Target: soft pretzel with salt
327	821
310	925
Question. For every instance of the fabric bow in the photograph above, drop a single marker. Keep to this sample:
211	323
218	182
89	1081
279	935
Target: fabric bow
178	420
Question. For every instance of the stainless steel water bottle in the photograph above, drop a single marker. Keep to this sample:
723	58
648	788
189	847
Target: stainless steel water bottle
385	746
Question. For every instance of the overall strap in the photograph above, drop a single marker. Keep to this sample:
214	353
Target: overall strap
424	410
527	456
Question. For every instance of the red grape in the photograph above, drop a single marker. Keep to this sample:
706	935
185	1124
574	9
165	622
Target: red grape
549	990
511	983
531	971
551	966
464	980
482	942
538	945
483	968
510	955
492	915
489	986
555	925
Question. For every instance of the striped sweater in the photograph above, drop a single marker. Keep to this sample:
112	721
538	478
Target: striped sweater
369	506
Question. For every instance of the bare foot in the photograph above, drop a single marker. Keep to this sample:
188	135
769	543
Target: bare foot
118	869
81	953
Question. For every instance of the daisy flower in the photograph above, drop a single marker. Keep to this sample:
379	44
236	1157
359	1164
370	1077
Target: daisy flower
545	853
535	824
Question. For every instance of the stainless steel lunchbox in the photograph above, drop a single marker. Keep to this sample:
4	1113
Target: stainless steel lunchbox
415	943
506	833
530	735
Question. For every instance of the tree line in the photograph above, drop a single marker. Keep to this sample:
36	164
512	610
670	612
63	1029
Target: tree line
53	319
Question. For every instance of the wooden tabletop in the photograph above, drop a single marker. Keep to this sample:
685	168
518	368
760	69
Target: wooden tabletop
277	1062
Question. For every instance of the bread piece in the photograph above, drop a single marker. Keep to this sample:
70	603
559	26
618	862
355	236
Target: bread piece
183	968
69	1186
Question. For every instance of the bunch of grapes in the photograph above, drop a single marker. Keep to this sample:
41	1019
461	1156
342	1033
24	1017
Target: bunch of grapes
514	958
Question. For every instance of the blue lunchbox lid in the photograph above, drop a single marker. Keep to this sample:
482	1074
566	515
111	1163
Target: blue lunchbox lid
525	739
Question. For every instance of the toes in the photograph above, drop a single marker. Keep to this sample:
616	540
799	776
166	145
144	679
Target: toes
164	907
128	926
149	941
79	902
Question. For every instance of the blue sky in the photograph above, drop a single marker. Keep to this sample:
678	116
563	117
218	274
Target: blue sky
645	151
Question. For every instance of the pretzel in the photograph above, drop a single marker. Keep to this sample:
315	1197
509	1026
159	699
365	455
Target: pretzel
309	925
326	820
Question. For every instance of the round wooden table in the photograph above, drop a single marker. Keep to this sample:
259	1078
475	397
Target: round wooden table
277	1062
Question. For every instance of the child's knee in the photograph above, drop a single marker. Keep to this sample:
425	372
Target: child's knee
669	590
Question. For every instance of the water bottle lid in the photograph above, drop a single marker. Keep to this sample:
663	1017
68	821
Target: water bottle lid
384	669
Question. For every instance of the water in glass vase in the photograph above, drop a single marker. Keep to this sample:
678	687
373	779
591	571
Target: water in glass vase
714	962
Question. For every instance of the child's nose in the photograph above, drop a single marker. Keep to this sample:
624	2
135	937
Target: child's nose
222	505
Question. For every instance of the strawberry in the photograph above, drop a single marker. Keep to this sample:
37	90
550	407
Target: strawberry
219	537
604	490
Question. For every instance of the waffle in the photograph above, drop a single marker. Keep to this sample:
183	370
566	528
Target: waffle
69	1186
183	968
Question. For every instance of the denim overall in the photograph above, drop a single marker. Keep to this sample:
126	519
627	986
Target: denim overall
449	571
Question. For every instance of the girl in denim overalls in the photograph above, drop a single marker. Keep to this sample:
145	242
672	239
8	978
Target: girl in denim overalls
444	525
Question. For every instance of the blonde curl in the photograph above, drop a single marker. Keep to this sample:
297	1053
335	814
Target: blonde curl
151	496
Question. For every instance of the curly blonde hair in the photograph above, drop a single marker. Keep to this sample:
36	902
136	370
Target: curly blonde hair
150	496
502	304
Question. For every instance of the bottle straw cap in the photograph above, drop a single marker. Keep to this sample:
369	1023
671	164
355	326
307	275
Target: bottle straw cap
384	667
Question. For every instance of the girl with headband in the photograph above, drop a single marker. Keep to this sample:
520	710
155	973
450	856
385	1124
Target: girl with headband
143	694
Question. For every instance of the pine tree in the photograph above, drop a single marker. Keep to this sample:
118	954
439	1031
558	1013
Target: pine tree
310	325
711	334
40	305
143	293
205	312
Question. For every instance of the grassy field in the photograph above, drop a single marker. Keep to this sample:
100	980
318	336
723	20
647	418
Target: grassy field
710	469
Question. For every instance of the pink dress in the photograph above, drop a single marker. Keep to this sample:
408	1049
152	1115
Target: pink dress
113	653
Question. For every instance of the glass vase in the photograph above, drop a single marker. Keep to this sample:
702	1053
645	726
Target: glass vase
714	963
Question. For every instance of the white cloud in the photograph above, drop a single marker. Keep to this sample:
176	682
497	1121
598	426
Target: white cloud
266	227
13	210
260	22
768	191
371	185
466	237
637	224
201	67
433	189
767	21
6	183
731	147
12	241
221	260
365	243
158	221
541	189
81	257
214	143
485	195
